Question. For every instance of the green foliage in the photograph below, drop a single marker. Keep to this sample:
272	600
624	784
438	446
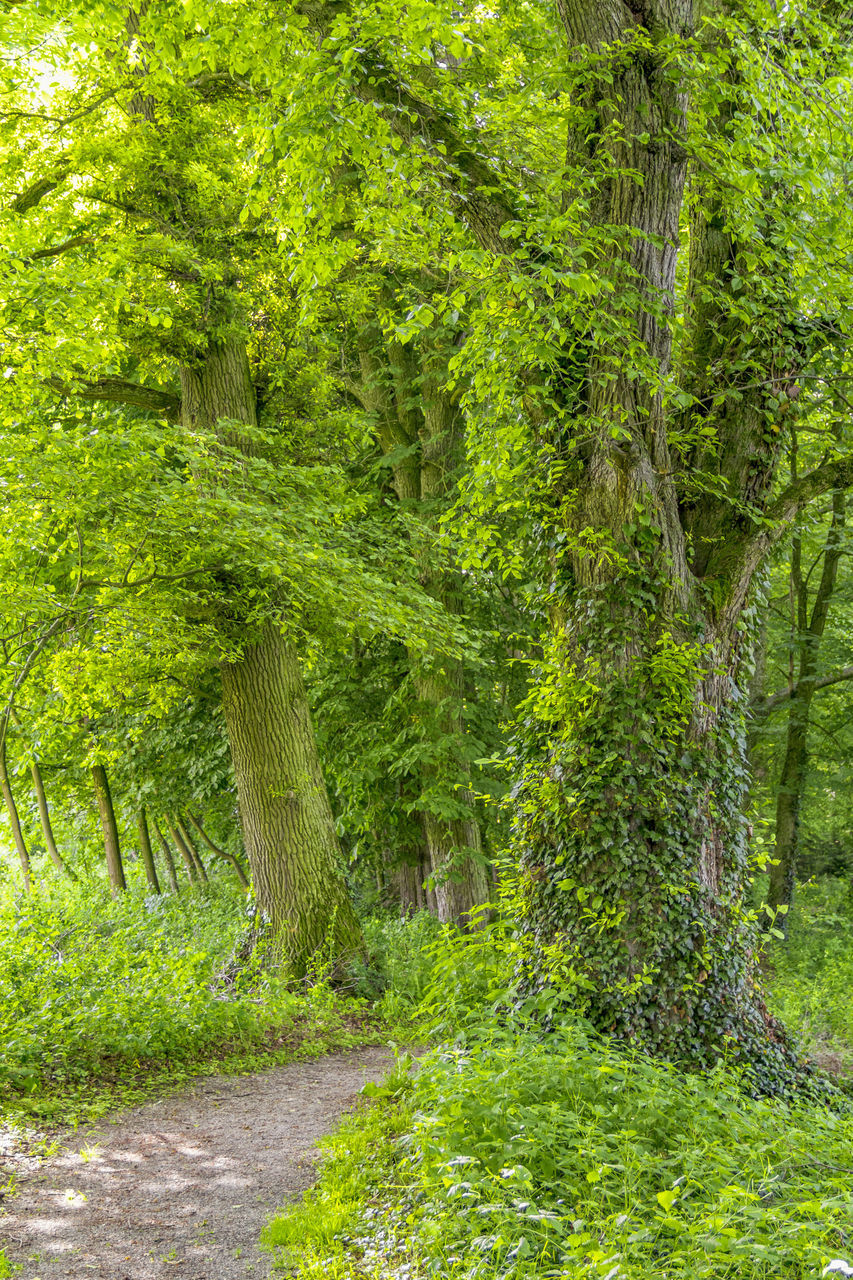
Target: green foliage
810	975
96	991
562	1156
398	963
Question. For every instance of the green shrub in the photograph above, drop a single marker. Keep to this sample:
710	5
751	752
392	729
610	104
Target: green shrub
96	989
562	1156
810	976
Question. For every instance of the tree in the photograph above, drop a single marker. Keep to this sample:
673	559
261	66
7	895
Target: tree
181	319
654	466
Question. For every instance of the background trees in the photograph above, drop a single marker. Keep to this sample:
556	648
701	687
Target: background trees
406	351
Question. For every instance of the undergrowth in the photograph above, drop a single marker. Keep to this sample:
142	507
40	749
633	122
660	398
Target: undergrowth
517	1154
810	974
104	1002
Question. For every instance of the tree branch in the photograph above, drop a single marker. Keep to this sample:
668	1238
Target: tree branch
765	706
837	474
118	391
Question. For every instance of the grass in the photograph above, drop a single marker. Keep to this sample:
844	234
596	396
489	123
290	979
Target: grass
513	1156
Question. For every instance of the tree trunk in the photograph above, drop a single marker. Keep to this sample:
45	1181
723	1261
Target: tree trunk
220	853
109	826
169	860
44	813
630	762
808	634
411	410
289	832
183	850
146	852
15	821
193	849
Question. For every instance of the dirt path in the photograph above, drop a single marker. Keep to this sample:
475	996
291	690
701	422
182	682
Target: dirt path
182	1187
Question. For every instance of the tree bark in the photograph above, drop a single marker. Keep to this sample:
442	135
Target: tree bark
115	869
44	813
419	424
169	860
15	821
220	853
146	852
288	829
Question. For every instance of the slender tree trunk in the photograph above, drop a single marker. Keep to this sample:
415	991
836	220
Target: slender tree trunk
168	859
15	821
115	869
146	852
193	850
808	634
220	853
44	813
183	850
289	832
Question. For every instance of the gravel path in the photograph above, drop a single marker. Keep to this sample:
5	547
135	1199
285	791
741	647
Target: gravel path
182	1187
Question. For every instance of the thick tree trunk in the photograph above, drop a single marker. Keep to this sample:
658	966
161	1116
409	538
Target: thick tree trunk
288	829
168	859
220	853
15	821
44	813
115	869
146	852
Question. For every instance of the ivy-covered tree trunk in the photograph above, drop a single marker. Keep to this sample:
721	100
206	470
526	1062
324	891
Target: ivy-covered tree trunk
288	828
112	850
632	768
420	427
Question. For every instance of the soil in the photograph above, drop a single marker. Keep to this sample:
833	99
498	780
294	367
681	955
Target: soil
182	1187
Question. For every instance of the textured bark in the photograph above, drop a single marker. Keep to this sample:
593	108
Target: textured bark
44	814
168	859
14	820
220	853
146	852
112	851
288	829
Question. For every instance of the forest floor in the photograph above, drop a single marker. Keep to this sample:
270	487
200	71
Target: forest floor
180	1187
